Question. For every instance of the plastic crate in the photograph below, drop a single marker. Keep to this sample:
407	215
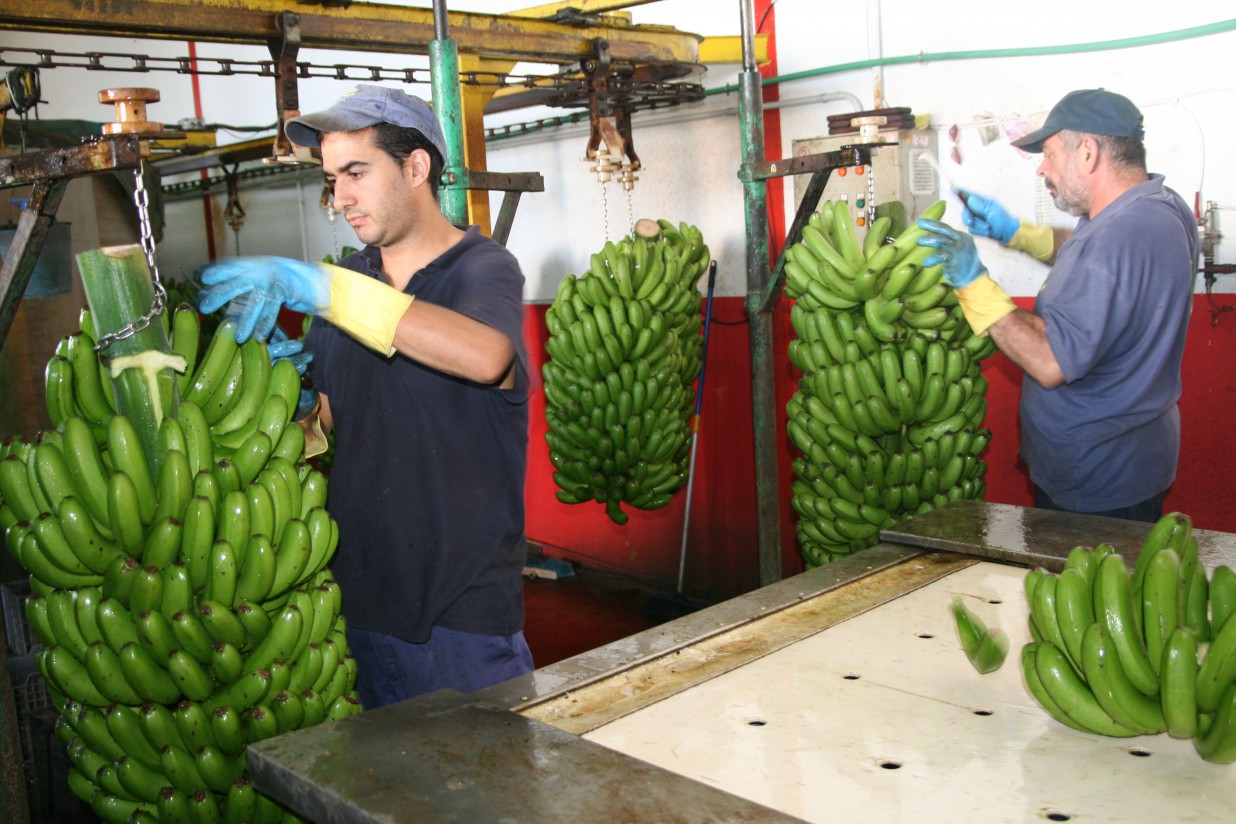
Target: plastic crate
18	635
30	696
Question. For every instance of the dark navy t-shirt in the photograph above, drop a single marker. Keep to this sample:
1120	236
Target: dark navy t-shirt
1117	305
427	482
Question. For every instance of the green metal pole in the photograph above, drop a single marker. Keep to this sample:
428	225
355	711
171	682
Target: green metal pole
763	394
444	79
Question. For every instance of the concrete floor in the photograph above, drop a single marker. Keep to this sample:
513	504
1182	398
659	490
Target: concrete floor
589	609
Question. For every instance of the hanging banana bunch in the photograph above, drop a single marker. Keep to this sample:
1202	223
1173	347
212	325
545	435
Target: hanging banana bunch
1124	653
183	599
889	411
624	351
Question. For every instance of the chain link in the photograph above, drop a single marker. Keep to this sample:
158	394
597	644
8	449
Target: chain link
871	204
331	214
605	207
630	213
141	198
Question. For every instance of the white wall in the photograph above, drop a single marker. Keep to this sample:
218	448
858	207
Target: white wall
690	167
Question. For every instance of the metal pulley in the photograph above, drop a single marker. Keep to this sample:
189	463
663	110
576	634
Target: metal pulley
130	104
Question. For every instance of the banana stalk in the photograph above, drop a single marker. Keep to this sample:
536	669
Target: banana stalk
119	290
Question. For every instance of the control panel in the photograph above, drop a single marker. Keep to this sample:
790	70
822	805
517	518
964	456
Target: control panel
899	181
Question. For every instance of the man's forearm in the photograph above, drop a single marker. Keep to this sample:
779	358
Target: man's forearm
1022	337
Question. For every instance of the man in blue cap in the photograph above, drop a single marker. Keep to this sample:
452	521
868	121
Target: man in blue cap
1103	346
423	376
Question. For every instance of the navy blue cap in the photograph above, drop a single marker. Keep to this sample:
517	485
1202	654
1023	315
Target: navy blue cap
364	106
1091	111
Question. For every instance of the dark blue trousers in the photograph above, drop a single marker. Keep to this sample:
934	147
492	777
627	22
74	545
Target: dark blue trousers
389	669
1149	510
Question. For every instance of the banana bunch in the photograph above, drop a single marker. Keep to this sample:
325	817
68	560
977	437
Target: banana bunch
889	409
184	604
1144	652
624	351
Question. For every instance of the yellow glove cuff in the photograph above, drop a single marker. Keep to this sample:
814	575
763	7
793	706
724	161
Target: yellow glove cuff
1037	241
983	302
365	308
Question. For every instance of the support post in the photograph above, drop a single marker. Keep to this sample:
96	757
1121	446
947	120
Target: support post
444	72
763	383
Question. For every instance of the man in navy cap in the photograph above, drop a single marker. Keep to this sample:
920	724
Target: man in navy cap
423	376
1103	346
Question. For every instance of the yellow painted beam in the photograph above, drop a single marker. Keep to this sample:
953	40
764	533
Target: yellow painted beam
584	6
729	49
359	27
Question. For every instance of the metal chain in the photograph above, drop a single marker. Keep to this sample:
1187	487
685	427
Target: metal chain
141	197
630	214
871	204
331	214
605	207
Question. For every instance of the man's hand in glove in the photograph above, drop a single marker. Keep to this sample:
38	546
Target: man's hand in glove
281	347
982	300
987	218
365	308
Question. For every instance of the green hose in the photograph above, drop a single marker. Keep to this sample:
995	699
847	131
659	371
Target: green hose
929	57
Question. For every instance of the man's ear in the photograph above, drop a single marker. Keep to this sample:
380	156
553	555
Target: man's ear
417	165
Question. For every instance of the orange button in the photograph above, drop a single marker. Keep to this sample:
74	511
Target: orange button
858	170
841	172
861	221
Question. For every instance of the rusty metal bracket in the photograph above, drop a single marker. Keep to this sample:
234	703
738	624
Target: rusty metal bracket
49	172
820	166
513	185
610	117
284	50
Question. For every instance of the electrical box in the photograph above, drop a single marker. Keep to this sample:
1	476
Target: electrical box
900	182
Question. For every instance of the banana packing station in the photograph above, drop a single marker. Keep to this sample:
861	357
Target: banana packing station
861	613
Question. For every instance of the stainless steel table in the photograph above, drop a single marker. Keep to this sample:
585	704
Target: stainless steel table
838	693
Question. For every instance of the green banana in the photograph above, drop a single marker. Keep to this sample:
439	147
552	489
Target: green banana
985	648
1072	695
1114	606
1218	743
1222	595
1159	603
1218	668
1111	686
1178	679
1074	612
1034	685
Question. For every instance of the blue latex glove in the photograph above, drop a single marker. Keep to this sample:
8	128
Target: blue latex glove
258	287
982	300
282	347
955	252
987	218
366	308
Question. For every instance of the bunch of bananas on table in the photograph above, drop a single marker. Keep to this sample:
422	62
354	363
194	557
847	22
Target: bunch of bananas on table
888	414
1125	653
184	603
624	351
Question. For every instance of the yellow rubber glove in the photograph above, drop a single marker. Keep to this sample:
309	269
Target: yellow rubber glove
983	302
365	308
1037	241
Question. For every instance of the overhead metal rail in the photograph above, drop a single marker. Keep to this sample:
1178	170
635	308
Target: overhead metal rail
359	27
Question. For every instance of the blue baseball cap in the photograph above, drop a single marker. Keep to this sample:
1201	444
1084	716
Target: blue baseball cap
364	106
1092	111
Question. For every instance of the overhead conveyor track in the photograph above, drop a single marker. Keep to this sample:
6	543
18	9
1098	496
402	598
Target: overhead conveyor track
360	27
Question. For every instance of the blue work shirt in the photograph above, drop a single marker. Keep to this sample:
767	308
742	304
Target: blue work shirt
1117	304
427	482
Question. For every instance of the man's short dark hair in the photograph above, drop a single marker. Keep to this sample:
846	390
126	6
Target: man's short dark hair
400	141
1124	152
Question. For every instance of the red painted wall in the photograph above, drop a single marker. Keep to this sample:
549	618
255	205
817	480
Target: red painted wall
721	559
